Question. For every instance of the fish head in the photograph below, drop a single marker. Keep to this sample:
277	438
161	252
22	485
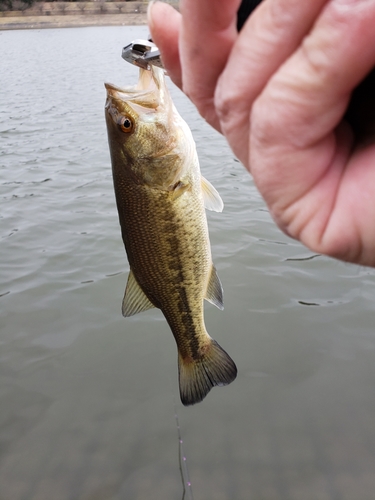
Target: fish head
148	138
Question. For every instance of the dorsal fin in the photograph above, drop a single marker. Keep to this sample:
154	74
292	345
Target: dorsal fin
214	292
135	301
211	197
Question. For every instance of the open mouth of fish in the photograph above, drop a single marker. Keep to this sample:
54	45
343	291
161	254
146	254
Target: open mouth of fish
148	92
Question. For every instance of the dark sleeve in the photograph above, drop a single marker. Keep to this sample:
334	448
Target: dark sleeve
246	8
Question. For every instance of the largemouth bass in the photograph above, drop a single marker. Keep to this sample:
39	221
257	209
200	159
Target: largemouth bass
161	198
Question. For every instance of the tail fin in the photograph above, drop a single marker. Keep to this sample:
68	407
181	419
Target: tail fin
197	377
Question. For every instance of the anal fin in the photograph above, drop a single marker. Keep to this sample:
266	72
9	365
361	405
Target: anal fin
214	292
135	301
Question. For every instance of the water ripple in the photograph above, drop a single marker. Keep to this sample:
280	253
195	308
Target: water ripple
85	394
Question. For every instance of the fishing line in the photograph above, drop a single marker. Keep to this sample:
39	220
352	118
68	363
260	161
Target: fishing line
184	472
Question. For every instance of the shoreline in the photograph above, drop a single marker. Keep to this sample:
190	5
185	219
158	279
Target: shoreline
72	21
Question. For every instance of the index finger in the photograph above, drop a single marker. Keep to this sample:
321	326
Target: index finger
208	31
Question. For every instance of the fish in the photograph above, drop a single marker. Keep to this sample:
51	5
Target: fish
161	198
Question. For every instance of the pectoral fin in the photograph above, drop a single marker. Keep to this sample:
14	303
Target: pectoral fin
179	189
211	197
214	292
135	301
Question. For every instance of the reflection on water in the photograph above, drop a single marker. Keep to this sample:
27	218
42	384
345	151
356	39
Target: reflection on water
86	397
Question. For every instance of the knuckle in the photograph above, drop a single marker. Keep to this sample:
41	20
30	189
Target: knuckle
225	101
203	103
196	96
228	104
265	123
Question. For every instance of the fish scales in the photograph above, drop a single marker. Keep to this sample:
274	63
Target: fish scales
160	199
166	255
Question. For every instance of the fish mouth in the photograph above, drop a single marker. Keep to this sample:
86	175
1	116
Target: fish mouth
150	91
149	104
146	81
126	94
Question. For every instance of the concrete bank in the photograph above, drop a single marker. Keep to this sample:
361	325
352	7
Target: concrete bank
71	21
70	14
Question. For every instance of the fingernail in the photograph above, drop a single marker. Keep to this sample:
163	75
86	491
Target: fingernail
149	15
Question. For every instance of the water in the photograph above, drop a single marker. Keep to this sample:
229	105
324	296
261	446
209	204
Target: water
86	396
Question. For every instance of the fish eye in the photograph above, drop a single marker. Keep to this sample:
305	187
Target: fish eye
126	124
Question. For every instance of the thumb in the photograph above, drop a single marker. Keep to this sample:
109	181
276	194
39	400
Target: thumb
160	15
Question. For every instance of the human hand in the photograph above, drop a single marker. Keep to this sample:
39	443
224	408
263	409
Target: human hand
278	91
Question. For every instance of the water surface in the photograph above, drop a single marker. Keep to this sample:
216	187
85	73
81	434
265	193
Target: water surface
86	396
